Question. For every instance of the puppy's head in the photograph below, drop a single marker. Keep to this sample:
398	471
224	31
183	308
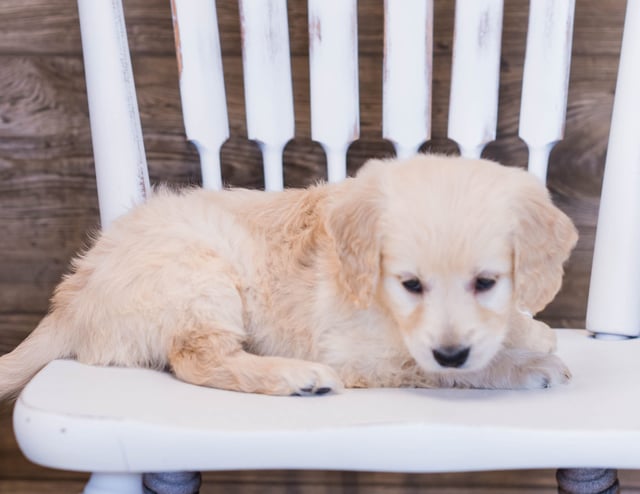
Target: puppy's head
449	247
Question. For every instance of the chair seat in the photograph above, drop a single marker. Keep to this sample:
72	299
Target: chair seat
78	417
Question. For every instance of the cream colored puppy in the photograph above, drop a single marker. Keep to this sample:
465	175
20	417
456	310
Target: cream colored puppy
413	273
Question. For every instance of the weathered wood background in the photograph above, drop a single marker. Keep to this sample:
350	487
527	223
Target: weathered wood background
47	190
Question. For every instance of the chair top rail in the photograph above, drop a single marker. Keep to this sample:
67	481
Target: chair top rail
407	67
545	81
475	75
202	93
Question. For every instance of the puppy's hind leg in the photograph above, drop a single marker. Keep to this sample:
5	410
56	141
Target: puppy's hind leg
207	348
214	357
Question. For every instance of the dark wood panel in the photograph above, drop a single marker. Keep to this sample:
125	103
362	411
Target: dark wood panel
14	328
40	487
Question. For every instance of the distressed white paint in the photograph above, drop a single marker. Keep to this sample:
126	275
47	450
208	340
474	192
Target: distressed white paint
545	81
118	149
406	88
614	294
204	105
267	82
475	75
333	64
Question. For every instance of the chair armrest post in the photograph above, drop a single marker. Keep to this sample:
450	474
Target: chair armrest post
613	305
121	165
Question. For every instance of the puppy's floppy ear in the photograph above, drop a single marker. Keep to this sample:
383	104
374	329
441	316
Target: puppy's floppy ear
543	239
353	223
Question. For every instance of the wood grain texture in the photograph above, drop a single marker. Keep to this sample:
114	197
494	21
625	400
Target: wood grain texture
48	204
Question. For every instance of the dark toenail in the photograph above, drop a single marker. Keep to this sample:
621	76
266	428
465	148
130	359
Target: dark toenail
307	390
295	394
322	391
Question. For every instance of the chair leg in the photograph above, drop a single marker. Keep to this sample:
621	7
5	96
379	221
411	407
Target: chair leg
587	481
114	483
171	483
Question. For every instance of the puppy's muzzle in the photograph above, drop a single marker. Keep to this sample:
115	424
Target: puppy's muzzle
451	356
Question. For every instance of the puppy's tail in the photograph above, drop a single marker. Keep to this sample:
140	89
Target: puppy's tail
18	367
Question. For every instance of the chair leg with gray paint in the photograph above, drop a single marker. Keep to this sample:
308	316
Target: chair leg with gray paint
172	483
587	481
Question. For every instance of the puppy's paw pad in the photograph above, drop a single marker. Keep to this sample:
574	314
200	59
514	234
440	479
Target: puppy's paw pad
312	391
316	379
323	391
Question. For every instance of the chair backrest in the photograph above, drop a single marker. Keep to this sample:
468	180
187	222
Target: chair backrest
614	302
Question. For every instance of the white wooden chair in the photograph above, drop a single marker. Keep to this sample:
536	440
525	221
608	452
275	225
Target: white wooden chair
119	423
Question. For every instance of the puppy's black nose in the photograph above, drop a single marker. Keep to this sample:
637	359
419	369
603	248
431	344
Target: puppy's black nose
451	356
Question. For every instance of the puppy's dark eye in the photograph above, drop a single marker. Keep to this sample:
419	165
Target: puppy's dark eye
413	285
483	284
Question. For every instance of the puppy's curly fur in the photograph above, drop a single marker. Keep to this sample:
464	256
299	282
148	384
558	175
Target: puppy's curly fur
413	273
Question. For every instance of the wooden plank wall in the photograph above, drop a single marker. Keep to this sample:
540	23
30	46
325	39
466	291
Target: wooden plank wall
47	189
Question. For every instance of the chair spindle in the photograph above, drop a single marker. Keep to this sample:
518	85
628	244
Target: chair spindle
120	162
475	75
333	63
545	80
406	88
267	82
204	105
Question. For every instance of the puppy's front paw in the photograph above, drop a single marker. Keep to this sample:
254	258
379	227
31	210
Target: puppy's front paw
543	338
541	371
314	379
530	334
